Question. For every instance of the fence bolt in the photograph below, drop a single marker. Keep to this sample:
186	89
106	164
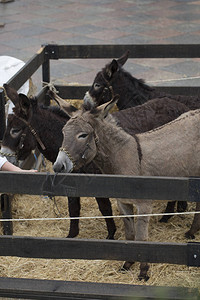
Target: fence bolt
193	254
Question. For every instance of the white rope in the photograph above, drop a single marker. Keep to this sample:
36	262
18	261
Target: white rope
100	217
5	93
175	79
50	85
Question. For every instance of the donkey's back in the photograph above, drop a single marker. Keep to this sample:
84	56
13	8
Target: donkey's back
172	149
150	115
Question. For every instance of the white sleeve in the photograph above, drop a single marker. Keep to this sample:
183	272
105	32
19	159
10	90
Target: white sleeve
3	159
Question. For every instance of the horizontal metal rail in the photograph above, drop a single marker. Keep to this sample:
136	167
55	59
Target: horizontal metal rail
68	290
61	248
112	51
87	185
78	91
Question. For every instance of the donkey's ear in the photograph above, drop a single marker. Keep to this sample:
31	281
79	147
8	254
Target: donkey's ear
66	107
103	110
121	60
112	68
12	94
24	104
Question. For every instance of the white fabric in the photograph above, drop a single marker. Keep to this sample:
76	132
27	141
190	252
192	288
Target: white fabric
9	66
3	160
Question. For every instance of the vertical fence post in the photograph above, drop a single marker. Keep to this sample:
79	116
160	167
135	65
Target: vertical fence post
6	214
2	114
46	72
5	199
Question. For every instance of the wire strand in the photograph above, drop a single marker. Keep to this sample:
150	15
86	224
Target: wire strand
100	217
175	79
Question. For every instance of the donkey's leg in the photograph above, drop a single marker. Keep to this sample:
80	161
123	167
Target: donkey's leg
169	209
182	206
195	224
127	209
142	226
74	207
129	226
106	210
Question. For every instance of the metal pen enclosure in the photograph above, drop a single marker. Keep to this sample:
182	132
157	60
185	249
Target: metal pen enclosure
187	188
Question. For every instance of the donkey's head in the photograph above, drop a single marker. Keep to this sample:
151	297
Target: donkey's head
80	138
18	141
101	90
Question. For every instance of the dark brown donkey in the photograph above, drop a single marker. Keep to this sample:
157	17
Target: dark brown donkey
114	79
169	150
33	125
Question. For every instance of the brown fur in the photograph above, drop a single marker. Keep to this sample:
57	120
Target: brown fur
116	152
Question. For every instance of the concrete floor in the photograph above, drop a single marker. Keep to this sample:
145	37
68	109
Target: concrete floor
26	25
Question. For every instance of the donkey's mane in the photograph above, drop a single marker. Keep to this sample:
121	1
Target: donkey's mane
136	82
185	115
108	119
113	124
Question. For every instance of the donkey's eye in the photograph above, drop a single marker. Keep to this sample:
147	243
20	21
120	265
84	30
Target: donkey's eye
82	136
97	86
14	132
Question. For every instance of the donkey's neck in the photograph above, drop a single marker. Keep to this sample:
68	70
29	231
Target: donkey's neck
115	149
48	127
132	91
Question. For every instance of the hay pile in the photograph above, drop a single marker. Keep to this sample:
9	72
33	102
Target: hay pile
27	206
